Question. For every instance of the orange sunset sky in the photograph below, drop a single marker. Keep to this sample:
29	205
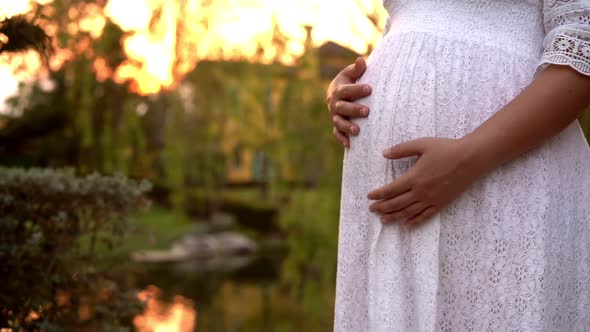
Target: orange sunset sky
221	29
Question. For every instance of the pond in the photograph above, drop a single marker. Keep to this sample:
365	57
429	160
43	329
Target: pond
247	293
287	286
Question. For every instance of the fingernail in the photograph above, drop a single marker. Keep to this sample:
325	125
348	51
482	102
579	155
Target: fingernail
367	89
365	111
386	151
353	130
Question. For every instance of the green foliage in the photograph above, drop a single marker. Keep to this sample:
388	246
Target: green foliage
153	229
50	277
180	139
311	223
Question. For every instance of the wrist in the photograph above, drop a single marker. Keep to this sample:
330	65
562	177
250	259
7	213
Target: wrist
474	157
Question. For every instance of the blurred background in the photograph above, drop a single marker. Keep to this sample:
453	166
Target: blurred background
170	165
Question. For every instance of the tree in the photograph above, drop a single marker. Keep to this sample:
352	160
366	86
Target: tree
21	34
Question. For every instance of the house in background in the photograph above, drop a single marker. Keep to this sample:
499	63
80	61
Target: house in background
245	165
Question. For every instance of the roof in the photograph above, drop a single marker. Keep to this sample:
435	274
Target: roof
331	49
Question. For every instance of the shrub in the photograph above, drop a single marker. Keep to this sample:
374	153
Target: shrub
50	222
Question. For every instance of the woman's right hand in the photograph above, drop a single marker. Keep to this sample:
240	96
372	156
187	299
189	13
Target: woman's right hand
341	96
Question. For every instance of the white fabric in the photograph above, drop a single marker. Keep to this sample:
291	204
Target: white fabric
512	253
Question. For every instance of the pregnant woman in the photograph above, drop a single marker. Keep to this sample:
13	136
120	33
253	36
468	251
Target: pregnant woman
466	190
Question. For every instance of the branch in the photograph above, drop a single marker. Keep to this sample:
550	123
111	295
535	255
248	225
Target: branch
24	35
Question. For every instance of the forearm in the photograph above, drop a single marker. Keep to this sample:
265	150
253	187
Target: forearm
547	106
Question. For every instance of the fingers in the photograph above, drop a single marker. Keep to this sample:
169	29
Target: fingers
350	92
423	216
339	100
404	214
347	77
356	70
344	126
395	204
340	137
407	149
348	109
391	190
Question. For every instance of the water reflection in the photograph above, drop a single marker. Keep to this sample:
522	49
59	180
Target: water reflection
160	316
258	297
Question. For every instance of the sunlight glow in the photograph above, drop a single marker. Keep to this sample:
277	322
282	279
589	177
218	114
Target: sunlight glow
166	39
11	7
180	316
24	67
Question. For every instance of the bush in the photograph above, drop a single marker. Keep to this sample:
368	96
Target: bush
47	268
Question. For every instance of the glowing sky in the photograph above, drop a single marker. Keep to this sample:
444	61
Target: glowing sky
161	51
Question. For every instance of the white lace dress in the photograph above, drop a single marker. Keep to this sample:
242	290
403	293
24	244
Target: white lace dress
513	252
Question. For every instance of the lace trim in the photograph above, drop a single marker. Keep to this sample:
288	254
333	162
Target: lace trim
567	23
568	47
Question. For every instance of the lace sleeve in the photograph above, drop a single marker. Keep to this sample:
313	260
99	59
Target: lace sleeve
567	40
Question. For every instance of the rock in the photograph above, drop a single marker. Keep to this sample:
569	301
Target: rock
202	246
214	264
226	243
160	256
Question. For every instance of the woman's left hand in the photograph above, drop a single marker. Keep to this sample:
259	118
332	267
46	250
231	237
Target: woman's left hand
441	173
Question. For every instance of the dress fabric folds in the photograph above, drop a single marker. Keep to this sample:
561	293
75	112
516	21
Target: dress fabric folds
512	253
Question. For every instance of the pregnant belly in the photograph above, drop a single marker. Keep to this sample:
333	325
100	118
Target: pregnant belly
425	85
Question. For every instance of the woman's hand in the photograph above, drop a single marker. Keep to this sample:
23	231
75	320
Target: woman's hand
446	167
441	173
341	95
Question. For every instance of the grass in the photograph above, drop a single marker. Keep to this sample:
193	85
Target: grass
154	229
248	196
